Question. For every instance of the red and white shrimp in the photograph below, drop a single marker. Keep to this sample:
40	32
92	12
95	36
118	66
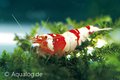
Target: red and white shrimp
61	44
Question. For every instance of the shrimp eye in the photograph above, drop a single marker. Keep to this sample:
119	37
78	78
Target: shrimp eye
45	37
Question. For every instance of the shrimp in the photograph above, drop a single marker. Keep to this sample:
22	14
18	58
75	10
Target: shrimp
61	44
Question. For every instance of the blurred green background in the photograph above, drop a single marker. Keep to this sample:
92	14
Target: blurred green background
57	10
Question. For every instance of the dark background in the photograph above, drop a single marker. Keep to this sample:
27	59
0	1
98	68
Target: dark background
57	10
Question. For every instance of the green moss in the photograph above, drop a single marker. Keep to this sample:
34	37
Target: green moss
102	64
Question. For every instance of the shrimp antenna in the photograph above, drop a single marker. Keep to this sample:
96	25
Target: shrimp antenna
20	26
17	22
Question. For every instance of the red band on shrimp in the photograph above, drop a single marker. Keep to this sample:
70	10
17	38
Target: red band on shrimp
44	47
58	42
88	27
76	33
91	32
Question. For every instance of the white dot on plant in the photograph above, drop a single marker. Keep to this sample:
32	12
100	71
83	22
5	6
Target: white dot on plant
78	54
90	50
68	57
100	43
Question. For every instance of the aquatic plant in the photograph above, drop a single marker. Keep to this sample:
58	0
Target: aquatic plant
88	62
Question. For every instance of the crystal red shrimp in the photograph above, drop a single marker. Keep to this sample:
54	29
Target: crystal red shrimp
63	43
